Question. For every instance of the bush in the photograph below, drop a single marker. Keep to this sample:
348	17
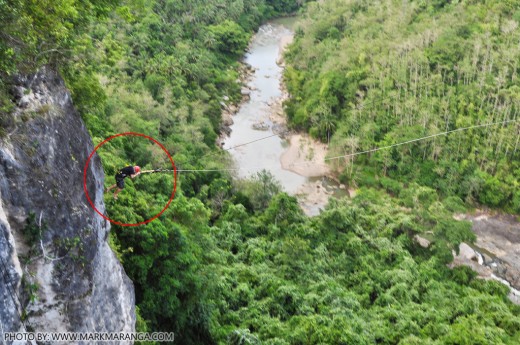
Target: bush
230	37
491	287
463	275
391	186
32	231
454	204
516	202
494	193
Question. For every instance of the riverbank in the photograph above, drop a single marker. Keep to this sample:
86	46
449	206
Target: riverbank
229	109
304	155
296	160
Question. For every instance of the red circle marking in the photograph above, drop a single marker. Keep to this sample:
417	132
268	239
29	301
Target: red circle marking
136	135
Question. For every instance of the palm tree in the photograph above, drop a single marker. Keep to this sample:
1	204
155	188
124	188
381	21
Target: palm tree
325	120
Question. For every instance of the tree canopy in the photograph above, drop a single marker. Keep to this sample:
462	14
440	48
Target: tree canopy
237	262
368	75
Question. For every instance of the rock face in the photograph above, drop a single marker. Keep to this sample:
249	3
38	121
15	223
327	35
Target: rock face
71	279
468	257
498	243
499	236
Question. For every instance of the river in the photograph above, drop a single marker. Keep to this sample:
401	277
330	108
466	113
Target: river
255	120
265	90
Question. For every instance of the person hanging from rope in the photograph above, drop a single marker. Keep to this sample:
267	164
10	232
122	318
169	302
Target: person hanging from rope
129	171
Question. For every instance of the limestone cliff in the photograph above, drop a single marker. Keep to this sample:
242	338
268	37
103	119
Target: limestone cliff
70	280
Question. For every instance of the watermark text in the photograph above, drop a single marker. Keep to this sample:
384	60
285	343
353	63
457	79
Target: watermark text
66	337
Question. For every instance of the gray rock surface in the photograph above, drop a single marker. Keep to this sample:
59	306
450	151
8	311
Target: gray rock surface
71	279
498	241
423	242
500	237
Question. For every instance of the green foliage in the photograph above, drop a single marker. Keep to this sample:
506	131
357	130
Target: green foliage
363	75
6	106
348	275
87	93
260	189
141	326
494	192
242	337
230	37
463	275
454	204
30	289
238	262
38	32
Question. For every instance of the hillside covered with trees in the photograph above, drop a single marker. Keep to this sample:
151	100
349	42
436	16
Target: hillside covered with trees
237	262
364	75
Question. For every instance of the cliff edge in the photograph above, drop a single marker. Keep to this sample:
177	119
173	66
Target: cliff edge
57	272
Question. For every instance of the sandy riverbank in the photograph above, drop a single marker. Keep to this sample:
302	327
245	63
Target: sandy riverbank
304	156
284	42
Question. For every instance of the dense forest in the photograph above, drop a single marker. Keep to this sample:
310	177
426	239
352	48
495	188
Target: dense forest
367	75
237	262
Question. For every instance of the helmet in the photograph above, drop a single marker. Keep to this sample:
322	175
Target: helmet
137	169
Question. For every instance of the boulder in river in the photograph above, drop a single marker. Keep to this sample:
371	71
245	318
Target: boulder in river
227	119
261	126
467	253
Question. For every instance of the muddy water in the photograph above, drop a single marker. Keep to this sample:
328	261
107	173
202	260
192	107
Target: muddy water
265	89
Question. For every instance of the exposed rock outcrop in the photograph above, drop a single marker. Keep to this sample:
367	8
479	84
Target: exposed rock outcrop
71	279
423	242
498	246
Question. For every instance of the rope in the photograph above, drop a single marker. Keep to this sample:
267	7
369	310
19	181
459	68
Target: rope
193	170
250	142
185	170
358	107
362	152
422	138
209	154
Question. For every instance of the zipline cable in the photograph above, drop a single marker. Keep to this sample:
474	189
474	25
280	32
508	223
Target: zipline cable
365	151
184	170
209	154
422	138
358	107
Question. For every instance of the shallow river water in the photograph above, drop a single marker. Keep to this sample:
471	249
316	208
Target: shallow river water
265	89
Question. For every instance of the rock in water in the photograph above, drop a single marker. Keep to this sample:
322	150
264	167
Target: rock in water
42	158
467	253
260	126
